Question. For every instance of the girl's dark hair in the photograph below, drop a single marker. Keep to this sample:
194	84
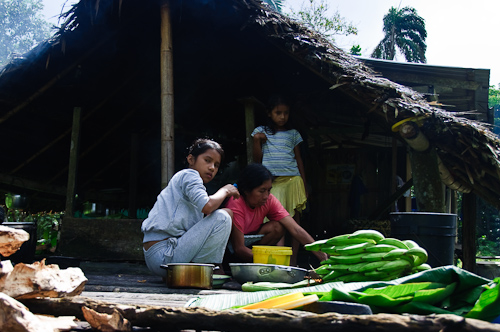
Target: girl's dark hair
201	145
252	176
273	102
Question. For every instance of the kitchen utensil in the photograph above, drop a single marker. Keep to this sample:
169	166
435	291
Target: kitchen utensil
244	272
219	280
189	275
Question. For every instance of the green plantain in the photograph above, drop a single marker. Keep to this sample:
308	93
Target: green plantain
342	240
371	266
411	244
373	256
380	248
332	250
334	274
394	242
323	269
367	234
420	255
394	254
354	249
346	259
315	246
393	266
421	267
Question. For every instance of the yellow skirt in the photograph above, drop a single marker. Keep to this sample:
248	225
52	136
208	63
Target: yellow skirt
290	191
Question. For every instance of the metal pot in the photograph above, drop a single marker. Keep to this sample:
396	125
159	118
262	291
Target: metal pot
189	275
244	272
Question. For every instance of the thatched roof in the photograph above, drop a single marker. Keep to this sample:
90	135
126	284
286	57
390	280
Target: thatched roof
105	59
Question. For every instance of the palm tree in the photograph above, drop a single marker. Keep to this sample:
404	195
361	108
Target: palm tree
276	5
406	30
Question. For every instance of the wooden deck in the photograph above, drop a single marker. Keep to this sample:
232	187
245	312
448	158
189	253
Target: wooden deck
132	283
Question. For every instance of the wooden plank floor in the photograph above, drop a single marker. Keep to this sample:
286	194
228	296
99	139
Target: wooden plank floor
132	283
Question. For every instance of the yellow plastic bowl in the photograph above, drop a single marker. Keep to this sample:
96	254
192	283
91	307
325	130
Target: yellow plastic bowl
271	255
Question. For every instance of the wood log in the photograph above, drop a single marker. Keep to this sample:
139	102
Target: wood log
11	239
262	320
40	280
429	190
105	322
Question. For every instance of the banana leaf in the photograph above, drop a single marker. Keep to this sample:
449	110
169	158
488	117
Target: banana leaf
488	306
446	289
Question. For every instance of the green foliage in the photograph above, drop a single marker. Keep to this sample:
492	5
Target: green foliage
48	225
403	29
487	227
355	50
494	96
314	14
21	27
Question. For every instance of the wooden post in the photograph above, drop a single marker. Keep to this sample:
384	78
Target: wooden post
132	196
469	210
73	162
249	104
167	96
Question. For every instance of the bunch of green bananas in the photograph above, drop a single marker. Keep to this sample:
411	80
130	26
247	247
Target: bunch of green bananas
367	255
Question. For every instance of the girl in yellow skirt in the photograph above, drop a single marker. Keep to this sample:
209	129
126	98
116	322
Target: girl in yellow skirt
276	146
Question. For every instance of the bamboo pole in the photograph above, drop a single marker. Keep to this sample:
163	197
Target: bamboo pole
167	96
73	161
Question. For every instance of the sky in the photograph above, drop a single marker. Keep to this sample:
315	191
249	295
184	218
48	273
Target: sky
460	33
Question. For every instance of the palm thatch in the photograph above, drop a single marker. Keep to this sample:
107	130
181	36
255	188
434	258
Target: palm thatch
105	59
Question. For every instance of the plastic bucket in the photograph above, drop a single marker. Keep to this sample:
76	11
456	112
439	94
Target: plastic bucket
271	255
435	232
25	254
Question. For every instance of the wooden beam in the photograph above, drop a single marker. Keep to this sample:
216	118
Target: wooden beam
73	162
469	210
167	96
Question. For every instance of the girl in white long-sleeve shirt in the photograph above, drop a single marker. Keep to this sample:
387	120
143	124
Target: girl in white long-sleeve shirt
185	224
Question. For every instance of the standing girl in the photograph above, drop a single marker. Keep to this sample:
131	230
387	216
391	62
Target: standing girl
185	224
276	146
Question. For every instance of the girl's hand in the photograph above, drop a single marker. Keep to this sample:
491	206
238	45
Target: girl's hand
231	191
261	137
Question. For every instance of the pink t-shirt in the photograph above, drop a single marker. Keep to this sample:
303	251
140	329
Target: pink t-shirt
249	220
